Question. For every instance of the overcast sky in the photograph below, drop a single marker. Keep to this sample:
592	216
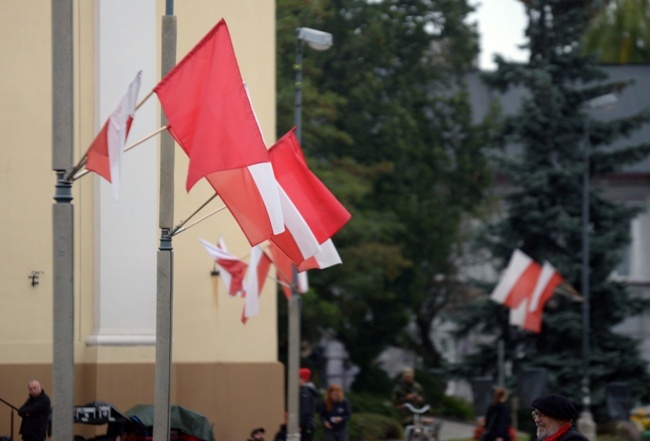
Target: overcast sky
501	24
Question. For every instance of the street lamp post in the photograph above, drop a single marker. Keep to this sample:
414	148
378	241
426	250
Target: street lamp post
317	40
586	422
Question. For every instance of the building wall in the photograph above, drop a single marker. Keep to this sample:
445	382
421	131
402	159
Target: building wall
221	367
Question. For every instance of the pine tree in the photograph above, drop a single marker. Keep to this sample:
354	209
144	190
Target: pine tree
544	167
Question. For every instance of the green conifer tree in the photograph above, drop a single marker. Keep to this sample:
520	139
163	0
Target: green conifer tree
544	168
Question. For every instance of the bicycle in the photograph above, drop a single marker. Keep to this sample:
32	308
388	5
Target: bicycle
423	428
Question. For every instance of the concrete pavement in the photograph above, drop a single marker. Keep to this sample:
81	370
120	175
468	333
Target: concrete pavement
455	430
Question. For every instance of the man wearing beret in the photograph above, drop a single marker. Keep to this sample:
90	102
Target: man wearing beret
554	415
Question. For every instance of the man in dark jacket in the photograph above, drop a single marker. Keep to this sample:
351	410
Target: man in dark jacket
554	415
307	404
35	413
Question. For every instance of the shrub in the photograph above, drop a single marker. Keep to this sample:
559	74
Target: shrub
370	403
368	427
373	380
457	408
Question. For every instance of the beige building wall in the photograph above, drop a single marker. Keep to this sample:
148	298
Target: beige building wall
221	368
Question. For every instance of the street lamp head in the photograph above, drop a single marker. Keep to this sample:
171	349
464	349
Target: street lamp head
316	39
602	102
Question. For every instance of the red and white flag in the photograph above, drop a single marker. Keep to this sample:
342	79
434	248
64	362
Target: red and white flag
326	257
284	267
105	154
258	269
312	212
211	118
518	281
529	314
231	269
297	240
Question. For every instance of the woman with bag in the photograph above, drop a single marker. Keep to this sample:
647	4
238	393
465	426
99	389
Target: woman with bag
497	417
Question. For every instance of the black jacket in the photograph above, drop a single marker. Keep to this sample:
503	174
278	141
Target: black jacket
572	435
36	416
340	409
308	403
497	421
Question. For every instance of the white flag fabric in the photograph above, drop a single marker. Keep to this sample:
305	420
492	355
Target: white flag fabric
518	280
525	287
326	257
258	268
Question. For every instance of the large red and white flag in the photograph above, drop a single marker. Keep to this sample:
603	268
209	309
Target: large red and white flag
529	313
105	154
518	281
211	118
258	269
314	212
231	269
284	274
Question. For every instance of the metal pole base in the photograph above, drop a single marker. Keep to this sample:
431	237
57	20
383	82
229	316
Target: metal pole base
293	436
587	426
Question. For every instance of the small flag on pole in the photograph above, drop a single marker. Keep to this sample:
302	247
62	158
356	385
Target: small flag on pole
105	154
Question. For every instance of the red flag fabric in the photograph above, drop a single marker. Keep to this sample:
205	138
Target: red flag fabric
251	195
105	154
231	269
548	280
320	208
259	265
284	267
211	118
518	281
525	287
209	113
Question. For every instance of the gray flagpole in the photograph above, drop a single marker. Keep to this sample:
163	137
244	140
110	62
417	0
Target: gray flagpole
165	270
62	222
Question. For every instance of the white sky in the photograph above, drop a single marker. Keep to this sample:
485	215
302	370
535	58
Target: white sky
501	24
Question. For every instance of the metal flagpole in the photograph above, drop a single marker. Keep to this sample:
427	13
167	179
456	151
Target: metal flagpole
62	221
165	270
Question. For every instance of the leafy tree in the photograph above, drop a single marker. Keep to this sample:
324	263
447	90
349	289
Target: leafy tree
543	215
388	127
620	33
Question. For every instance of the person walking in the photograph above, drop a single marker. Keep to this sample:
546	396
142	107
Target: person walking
497	417
307	405
35	413
334	413
553	415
